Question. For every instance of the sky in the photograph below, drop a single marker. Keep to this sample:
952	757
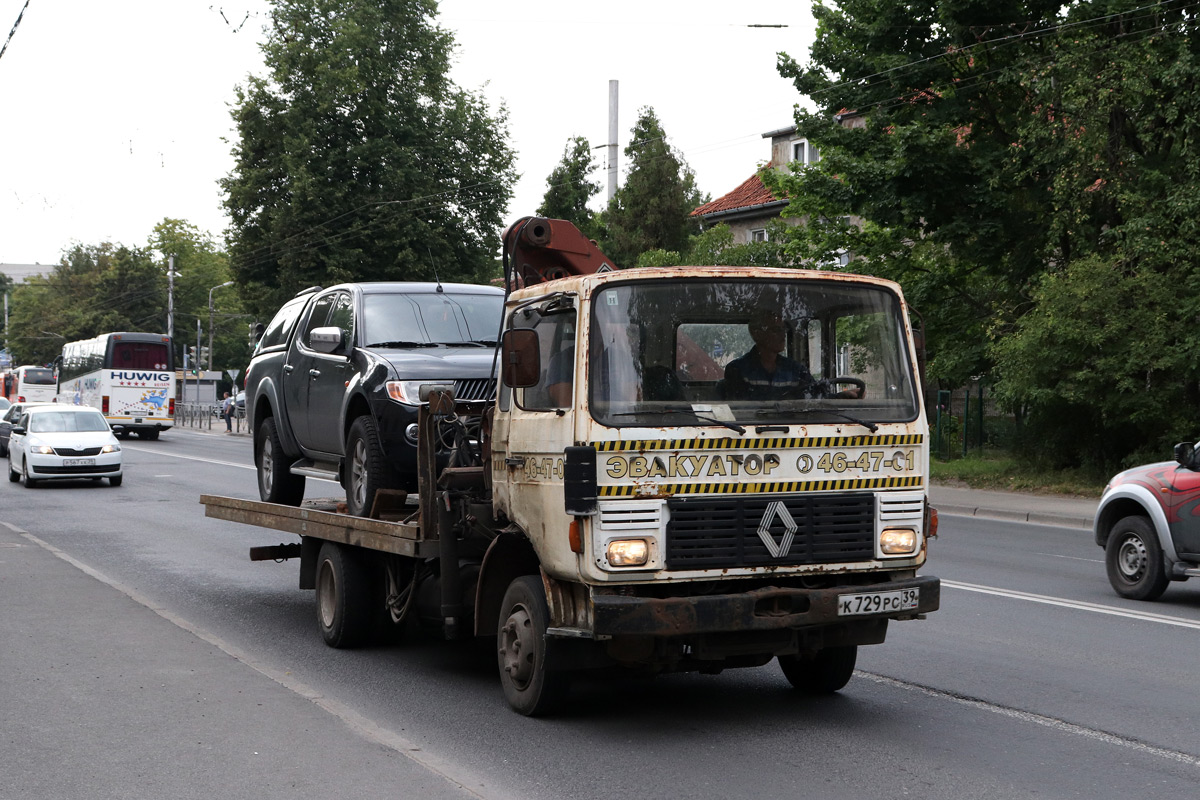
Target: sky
115	115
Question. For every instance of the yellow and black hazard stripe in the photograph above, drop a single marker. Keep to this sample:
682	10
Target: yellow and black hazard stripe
777	443
763	487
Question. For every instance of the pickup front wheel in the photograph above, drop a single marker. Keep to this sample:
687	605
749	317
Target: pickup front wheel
366	467
276	484
1134	560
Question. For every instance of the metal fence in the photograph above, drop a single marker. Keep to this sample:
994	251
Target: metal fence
206	416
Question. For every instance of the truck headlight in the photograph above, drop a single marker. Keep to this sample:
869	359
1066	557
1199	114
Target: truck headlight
628	552
898	541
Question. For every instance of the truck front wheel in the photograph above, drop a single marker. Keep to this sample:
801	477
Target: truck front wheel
343	596
366	469
276	484
530	688
1135	560
822	672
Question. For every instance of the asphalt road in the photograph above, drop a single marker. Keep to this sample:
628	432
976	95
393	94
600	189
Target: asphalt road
143	655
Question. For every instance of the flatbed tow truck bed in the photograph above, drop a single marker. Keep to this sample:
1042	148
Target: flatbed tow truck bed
320	520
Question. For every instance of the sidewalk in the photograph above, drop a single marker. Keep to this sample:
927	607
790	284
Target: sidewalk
1069	512
106	695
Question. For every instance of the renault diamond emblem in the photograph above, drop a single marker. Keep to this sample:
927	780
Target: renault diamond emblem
776	508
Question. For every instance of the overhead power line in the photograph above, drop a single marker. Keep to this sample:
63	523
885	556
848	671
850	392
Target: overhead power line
14	28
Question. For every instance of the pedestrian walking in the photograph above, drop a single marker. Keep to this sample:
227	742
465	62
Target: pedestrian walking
227	412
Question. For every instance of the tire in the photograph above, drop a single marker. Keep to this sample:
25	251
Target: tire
115	480
276	484
367	470
25	479
823	672
13	475
150	436
1134	560
530	687
343	596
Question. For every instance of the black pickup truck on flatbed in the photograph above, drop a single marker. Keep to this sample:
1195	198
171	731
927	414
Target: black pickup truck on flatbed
332	388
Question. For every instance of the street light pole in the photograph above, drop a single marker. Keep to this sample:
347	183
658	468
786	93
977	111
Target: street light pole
210	322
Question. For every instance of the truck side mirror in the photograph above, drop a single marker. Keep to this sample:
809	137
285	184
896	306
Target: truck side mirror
1185	454
521	358
259	330
325	340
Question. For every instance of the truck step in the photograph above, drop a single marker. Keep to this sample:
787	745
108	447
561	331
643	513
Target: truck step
314	469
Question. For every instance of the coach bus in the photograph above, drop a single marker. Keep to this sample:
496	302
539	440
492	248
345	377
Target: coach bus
29	385
129	377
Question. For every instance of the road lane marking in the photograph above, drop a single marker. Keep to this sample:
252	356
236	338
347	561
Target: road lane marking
469	782
206	460
1078	605
1072	558
188	458
1037	719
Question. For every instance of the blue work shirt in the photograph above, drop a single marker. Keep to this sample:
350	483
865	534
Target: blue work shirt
747	379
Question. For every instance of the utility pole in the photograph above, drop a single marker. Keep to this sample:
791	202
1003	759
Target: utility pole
171	297
612	139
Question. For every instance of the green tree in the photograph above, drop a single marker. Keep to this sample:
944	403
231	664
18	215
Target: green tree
651	210
997	148
201	265
569	188
358	158
94	289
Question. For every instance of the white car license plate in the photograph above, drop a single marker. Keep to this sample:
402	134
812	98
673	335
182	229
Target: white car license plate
79	462
878	602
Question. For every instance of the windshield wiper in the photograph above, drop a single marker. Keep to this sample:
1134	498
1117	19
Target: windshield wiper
871	426
471	343
402	344
731	425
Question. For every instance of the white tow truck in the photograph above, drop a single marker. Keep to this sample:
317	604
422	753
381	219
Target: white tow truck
653	488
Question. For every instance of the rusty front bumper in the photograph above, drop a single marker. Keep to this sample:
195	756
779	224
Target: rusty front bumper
767	609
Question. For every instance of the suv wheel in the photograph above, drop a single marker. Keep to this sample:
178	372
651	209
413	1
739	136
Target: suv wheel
276	484
1135	560
366	468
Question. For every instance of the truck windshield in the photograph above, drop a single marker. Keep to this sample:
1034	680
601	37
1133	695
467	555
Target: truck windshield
749	352
433	318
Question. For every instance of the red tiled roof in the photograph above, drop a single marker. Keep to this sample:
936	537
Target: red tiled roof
751	193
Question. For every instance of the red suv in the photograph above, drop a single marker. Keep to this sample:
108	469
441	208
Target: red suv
1149	525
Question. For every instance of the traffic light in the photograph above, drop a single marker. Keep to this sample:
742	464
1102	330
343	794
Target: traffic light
190	357
203	356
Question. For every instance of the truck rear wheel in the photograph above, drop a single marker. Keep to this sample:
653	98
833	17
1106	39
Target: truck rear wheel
276	484
822	672
530	688
343	596
366	468
1134	560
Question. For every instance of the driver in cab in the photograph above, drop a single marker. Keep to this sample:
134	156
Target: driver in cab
765	373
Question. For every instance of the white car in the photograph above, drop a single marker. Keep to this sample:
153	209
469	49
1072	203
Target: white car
62	442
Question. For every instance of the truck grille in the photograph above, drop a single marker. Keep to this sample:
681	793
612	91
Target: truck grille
722	532
474	389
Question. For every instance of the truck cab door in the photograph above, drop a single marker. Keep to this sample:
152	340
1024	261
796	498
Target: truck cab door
1183	511
298	372
540	425
328	374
